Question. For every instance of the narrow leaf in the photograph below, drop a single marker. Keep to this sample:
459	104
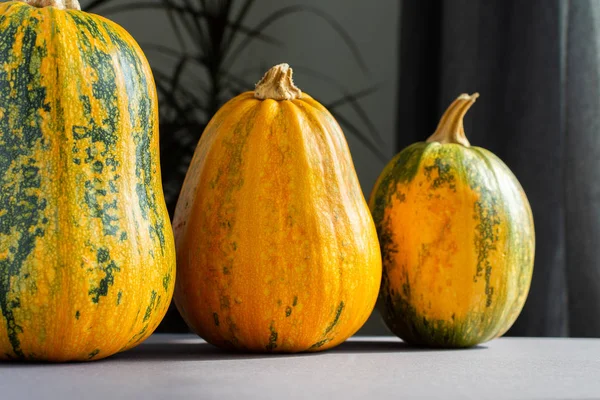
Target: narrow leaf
352	100
175	27
348	98
95	4
238	21
285	11
358	134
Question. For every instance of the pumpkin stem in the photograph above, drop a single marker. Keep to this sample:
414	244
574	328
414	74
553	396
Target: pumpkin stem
60	4
277	84
451	129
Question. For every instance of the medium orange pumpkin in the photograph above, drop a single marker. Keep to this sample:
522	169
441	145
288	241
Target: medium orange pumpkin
277	250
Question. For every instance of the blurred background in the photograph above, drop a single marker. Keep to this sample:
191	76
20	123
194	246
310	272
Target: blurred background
387	70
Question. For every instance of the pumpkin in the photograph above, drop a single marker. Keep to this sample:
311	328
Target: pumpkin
457	239
276	247
87	256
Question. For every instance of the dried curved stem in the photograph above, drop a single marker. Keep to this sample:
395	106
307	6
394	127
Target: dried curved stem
451	129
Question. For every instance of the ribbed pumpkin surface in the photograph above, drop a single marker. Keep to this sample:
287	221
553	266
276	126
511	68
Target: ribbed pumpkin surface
457	239
276	248
87	263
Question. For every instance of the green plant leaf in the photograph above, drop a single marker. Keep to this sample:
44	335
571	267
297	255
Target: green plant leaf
286	11
190	96
175	26
177	56
347	98
240	82
95	4
352	100
238	22
179	69
358	135
351	97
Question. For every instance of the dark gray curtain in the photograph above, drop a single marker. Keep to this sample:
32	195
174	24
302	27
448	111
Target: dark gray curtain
536	64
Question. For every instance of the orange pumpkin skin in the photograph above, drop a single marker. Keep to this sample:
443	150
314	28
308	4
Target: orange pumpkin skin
277	251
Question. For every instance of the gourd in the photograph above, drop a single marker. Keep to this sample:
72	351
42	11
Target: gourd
457	239
87	257
276	247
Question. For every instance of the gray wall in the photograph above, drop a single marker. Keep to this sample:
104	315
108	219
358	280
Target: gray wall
310	42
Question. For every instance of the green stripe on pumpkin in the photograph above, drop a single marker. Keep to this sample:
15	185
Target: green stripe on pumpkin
141	118
98	138
21	211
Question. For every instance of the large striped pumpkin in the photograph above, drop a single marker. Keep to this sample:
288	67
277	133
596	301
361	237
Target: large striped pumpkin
277	250
86	248
457	239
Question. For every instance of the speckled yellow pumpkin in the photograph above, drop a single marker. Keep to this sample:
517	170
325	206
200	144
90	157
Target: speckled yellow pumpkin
277	250
457	239
87	257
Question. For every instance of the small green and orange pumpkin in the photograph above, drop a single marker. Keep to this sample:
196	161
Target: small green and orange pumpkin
457	239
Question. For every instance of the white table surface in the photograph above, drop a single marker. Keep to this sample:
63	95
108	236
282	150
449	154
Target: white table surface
183	366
